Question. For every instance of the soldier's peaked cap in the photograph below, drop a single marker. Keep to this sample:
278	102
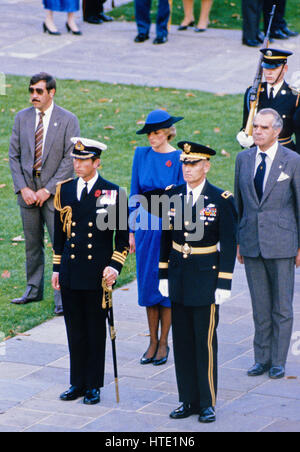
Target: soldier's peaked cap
194	152
273	58
84	148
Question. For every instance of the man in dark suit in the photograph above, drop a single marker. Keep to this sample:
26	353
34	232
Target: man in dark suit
275	93
91	242
39	156
93	12
251	13
267	192
279	29
197	277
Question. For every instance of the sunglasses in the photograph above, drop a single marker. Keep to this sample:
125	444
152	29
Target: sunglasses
39	91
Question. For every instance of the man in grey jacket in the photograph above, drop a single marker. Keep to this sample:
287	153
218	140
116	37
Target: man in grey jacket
39	156
267	193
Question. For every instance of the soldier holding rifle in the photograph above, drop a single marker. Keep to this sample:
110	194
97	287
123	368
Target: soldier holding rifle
90	248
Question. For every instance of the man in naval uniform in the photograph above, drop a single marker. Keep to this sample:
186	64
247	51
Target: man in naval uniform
197	276
276	94
85	251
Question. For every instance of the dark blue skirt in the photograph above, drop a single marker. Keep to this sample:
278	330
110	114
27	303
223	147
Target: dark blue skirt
68	6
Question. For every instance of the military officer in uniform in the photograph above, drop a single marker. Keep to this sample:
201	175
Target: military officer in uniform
276	94
84	253
197	275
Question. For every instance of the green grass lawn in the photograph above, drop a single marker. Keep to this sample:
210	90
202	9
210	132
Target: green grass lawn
109	113
224	13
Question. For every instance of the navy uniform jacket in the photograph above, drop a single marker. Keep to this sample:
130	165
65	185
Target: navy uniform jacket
193	278
287	105
81	258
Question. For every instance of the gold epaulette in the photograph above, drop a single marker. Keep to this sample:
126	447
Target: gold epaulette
226	194
64	181
65	212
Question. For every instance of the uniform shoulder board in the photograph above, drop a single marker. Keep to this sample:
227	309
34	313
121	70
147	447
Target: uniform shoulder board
64	181
226	194
169	187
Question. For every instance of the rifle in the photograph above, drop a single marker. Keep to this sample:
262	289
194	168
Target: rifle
107	304
256	87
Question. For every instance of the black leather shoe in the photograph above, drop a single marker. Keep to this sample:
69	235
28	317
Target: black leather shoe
145	360
250	42
93	20
141	37
277	372
258	369
24	300
289	32
159	362
279	34
207	415
47	30
72	393
199	30
183	411
92	396
185	27
161	40
74	32
105	18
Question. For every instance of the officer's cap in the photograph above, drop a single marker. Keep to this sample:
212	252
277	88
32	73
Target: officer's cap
85	148
194	152
157	120
273	58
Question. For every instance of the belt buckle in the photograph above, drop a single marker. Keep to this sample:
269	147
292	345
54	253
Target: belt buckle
186	250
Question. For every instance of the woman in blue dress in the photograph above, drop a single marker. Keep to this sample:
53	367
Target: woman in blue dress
68	6
154	168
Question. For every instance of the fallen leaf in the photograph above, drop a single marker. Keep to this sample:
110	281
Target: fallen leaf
5	274
190	95
19	238
291	377
225	153
217	129
104	99
109	127
196	132
2	185
140	122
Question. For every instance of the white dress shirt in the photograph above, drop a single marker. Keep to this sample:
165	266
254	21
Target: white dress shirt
46	121
81	185
276	88
196	191
270	153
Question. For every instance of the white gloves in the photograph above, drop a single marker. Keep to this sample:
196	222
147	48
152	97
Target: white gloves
163	287
245	140
221	295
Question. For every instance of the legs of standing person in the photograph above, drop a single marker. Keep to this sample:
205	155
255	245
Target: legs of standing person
204	15
251	12
86	331
162	19
71	22
272	307
142	16
195	353
158	316
49	21
188	8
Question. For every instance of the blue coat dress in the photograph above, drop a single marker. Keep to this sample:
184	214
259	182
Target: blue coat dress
68	6
151	170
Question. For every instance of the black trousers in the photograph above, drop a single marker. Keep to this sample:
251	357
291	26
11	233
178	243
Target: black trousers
278	19
195	352
92	8
86	331
251	12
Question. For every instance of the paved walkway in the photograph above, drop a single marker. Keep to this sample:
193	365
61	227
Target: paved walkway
34	366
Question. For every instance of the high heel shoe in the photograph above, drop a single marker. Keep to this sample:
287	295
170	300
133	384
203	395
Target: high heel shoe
145	360
185	27
159	362
47	30
77	33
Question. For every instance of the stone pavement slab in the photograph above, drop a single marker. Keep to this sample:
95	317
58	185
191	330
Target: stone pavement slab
35	369
214	61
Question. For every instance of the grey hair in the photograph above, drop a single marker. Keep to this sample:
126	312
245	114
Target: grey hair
277	119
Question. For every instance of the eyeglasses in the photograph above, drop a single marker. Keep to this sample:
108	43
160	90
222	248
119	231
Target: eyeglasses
39	91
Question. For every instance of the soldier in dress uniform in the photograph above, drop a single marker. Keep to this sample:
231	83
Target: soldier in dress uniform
197	276
275	93
84	253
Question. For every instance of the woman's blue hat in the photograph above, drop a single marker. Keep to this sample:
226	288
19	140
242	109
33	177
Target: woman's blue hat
158	119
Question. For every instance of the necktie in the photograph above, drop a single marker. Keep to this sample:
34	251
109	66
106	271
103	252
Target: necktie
84	192
190	201
259	176
272	93
39	134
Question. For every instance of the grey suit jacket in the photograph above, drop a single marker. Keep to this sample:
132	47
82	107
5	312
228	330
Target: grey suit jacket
270	227
56	164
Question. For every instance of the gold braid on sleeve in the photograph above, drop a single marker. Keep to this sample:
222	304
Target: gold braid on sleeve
65	212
